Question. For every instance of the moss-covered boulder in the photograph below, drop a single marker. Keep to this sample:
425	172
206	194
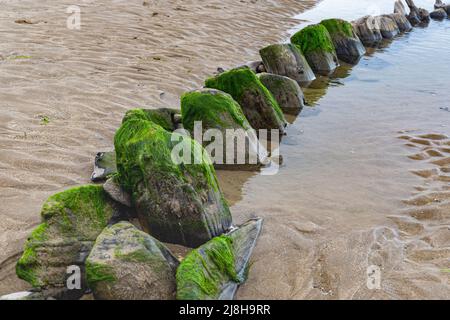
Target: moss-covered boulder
175	201
164	117
259	106
216	269
317	46
104	166
128	264
234	145
402	22
388	27
71	221
287	60
368	31
348	46
286	91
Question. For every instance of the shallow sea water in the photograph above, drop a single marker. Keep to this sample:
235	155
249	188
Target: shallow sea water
366	176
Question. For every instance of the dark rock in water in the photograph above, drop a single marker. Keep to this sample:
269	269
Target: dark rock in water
447	9
368	31
349	47
417	15
172	183
215	109
215	270
388	27
439	14
317	46
260	108
128	264
164	117
113	189
71	221
104	166
287	60
399	8
286	91
402	22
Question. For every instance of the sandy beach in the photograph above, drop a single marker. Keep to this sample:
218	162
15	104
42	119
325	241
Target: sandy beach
65	91
366	166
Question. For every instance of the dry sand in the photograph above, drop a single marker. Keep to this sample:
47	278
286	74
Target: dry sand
128	54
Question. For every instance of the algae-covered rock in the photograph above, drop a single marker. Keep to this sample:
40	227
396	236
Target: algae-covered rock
286	91
216	110
104	166
128	264
317	46
259	106
71	221
388	27
368	31
164	117
175	201
287	60
349	47
402	22
215	270
438	14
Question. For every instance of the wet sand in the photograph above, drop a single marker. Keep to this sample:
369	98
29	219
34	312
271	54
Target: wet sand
64	91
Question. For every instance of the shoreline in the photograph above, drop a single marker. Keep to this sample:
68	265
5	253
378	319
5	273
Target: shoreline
42	157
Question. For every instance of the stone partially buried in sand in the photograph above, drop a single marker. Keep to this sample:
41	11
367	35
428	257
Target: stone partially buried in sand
177	199
287	60
259	106
71	221
215	270
286	91
368	31
128	264
349	47
317	46
216	110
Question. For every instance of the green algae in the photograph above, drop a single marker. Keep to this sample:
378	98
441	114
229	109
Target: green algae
338	26
241	81
313	38
213	108
162	117
203	272
97	272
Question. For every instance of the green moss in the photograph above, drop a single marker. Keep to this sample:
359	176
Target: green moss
213	109
28	263
313	38
97	272
144	148
162	117
205	270
80	211
237	82
338	26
